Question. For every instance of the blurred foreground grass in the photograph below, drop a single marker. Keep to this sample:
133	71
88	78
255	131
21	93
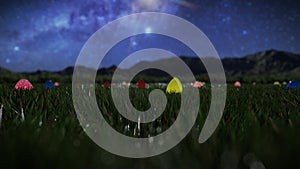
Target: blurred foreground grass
260	121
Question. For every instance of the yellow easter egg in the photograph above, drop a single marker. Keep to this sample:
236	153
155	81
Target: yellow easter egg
174	86
276	83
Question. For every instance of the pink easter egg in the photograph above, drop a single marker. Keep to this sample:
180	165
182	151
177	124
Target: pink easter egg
23	84
237	84
56	84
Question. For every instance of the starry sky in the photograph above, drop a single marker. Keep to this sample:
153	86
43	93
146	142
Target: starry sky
48	35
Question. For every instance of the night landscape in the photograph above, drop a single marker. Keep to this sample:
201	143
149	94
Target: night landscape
40	122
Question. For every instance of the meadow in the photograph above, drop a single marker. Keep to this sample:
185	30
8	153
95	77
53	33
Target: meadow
39	129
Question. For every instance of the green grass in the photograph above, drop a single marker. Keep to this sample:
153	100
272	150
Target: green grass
263	120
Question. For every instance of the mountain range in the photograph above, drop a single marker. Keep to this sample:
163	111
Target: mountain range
270	64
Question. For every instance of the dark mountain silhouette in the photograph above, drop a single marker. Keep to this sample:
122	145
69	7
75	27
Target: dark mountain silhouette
270	63
103	71
266	62
262	63
2	70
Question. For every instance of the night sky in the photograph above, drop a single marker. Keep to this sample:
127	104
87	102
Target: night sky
48	35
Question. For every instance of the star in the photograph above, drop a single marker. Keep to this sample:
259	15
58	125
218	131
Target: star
7	60
16	48
133	43
244	32
148	30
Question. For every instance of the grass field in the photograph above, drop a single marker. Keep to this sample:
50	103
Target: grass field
39	129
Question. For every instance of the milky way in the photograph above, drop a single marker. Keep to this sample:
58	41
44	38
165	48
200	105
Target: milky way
48	35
